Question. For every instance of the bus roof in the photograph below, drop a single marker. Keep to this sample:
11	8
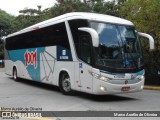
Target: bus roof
75	15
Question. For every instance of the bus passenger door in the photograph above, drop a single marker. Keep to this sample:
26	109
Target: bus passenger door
85	77
85	69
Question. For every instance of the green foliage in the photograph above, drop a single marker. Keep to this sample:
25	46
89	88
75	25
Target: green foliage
5	28
67	6
5	23
27	18
109	8
145	14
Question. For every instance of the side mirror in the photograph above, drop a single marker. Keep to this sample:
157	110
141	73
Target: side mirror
151	40
93	33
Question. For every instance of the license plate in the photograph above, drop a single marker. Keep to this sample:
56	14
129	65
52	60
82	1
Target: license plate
124	89
119	76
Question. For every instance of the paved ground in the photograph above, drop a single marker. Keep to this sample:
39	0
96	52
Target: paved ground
28	94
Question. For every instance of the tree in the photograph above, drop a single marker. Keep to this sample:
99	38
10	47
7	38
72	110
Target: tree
60	1
65	7
145	15
121	1
109	8
27	18
98	6
5	23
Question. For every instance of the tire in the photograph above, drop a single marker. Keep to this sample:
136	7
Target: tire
15	77
65	84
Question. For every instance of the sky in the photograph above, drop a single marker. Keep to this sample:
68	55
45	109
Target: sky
13	6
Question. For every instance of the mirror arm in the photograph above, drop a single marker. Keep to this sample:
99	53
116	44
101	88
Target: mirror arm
151	40
93	33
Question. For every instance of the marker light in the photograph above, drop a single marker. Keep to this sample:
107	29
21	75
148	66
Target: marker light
35	28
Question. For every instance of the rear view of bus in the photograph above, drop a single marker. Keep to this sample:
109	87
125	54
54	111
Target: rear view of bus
88	52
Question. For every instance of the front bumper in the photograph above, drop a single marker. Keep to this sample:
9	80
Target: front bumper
103	87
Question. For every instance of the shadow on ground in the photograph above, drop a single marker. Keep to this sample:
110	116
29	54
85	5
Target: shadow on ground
98	98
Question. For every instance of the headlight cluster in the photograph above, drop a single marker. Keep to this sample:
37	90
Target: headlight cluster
101	77
141	77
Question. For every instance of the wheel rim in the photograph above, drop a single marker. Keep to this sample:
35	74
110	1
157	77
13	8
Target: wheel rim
66	83
15	74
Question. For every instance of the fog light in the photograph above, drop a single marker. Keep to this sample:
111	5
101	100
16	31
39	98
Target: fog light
142	86
102	88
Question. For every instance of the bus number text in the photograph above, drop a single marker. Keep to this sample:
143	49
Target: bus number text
31	58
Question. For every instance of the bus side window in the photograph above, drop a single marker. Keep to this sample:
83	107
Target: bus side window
85	48
54	35
82	40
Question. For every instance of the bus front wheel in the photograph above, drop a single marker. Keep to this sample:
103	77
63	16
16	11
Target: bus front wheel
65	84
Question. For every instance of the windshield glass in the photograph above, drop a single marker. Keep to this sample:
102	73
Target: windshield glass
119	46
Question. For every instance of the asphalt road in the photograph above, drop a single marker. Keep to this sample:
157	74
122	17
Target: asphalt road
29	94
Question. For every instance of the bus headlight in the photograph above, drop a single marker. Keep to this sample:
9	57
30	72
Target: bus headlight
141	77
96	75
101	77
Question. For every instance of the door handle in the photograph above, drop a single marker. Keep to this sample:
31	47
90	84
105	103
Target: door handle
82	71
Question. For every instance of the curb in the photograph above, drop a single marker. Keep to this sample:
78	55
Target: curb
151	87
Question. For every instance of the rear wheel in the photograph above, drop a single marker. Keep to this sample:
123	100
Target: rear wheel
65	84
15	74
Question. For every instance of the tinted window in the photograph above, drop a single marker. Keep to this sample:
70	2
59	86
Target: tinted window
48	36
74	25
119	46
85	49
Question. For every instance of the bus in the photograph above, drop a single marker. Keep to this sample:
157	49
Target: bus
93	53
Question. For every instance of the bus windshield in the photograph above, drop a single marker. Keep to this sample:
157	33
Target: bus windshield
119	46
